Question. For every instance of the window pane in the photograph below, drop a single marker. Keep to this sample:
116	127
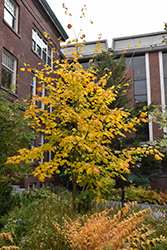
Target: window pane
49	51
141	99
8	18
33	45
143	132
11	7
128	62
165	64
8	61
38	50
44	56
139	68
49	61
6	77
140	87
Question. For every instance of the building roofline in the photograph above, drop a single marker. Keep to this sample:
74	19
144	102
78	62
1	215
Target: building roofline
86	43
140	35
61	29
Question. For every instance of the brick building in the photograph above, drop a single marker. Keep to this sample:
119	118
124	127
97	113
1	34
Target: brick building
146	60
22	27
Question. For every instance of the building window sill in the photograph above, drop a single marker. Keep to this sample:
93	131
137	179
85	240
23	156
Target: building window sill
9	92
11	29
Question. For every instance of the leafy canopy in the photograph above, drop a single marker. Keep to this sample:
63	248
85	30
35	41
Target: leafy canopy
80	129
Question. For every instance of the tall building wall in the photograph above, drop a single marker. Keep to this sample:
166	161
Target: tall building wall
18	40
22	40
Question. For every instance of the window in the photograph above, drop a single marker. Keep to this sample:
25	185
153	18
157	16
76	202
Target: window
8	71
31	185
140	89
11	14
42	185
41	47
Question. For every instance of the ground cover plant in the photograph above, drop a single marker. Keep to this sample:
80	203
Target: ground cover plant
30	221
46	221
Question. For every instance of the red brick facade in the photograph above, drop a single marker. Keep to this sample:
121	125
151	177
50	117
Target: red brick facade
18	43
155	87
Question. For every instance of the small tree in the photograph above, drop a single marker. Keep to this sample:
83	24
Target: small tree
80	128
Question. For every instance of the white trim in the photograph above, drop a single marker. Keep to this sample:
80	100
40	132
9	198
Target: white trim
33	86
42	95
50	156
161	72
41	142
148	94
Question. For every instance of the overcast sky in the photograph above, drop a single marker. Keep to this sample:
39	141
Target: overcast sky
112	18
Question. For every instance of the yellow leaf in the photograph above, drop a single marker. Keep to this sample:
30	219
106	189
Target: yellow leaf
89	171
39	89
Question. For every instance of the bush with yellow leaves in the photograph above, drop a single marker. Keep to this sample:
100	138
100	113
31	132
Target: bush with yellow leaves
5	236
125	230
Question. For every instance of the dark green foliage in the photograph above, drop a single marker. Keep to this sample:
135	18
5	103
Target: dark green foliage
30	221
105	63
5	198
147	170
14	134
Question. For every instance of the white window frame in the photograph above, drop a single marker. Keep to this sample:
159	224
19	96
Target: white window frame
162	84
39	44
42	105
41	142
33	87
9	62
49	156
13	16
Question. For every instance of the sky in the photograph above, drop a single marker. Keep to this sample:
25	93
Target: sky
111	18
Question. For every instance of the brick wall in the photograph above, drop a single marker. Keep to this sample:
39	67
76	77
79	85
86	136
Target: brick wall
155	87
31	13
20	44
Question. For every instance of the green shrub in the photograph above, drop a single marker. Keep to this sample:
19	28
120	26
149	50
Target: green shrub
5	198
30	223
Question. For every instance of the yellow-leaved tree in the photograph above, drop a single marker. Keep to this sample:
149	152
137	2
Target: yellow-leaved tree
80	128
